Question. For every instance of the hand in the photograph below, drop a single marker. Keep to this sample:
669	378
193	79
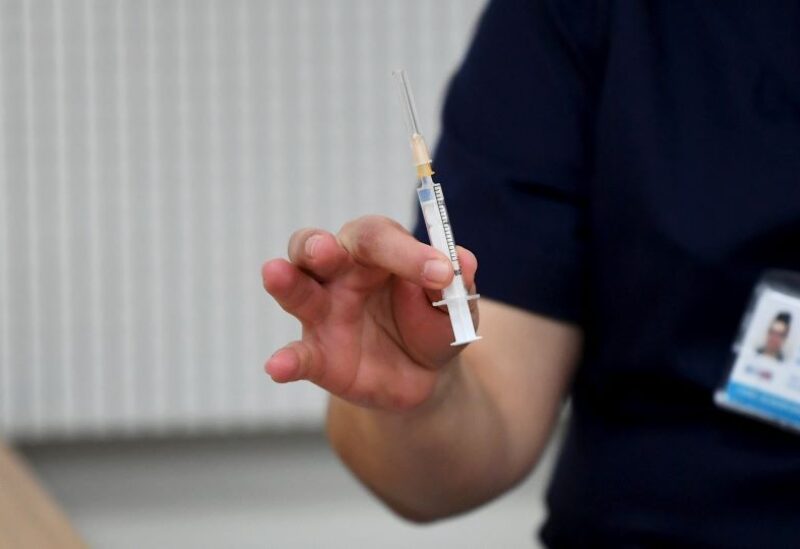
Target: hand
370	334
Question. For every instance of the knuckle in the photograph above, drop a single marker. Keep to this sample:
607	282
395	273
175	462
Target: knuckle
365	240
389	223
365	243
302	354
300	296
365	236
306	356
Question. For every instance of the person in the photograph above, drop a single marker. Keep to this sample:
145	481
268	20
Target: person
624	172
776	336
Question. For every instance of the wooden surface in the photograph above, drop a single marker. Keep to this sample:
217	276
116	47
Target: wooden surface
29	518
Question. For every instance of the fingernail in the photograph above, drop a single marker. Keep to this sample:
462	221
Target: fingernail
436	270
311	243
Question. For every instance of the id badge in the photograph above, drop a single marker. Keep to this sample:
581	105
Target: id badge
764	379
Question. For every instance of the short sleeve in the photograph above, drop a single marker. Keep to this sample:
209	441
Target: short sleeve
513	158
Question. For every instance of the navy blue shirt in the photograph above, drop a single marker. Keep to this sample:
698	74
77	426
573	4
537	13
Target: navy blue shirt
633	167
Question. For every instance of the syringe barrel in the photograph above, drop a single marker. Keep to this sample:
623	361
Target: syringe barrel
457	288
437	221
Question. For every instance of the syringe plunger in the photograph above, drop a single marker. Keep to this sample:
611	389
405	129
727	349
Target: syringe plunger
460	316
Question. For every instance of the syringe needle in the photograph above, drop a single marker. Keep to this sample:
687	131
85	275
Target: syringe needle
422	155
407	99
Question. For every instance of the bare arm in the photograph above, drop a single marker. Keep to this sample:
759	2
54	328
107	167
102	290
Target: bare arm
481	432
431	429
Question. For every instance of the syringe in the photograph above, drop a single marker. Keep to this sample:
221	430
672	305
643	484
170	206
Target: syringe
440	233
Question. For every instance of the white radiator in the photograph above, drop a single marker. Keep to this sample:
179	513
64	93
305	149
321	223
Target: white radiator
152	155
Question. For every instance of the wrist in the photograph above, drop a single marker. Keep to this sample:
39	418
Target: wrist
448	379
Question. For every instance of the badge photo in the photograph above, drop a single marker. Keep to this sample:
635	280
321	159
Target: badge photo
764	380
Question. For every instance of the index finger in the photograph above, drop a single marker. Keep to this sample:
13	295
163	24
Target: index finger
376	241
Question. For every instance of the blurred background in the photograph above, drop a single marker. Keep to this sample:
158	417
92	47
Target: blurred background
152	155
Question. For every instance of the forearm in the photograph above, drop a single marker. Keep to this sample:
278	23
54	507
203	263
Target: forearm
482	431
445	457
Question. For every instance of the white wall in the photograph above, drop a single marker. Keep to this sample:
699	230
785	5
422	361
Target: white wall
152	155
